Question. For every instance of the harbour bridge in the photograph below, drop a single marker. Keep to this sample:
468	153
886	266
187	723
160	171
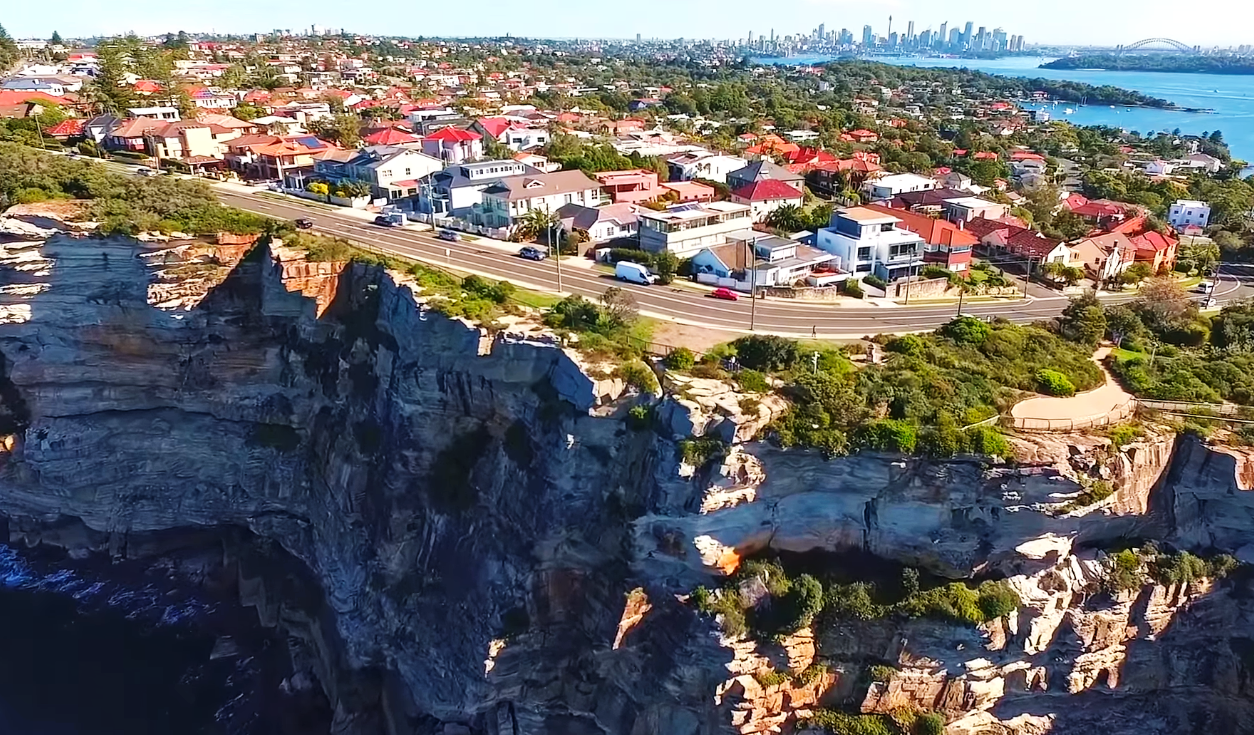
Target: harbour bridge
1168	42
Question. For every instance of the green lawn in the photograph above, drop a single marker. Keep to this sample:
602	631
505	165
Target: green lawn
535	300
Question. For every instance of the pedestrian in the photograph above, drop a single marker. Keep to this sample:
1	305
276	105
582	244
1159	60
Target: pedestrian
814	330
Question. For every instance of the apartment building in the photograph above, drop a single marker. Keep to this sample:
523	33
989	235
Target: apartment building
685	229
870	241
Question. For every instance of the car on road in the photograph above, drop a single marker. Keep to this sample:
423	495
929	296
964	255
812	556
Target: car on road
303	223
1205	287
385	221
725	294
148	172
531	253
634	273
450	235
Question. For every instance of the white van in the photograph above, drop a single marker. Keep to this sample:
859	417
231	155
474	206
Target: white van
634	273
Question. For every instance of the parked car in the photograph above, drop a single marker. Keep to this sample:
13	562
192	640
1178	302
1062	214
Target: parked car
385	221
634	273
450	235
724	293
303	223
1205	287
531	253
147	172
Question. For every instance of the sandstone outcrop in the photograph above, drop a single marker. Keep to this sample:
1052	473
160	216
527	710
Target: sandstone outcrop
493	550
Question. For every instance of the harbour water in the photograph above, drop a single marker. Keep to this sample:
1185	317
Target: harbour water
1230	96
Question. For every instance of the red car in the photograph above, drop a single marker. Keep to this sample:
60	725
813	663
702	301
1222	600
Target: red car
725	293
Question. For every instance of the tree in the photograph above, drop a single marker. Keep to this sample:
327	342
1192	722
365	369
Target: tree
533	224
1200	256
1138	272
1084	320
1068	226
1228	241
787	218
9	52
620	307
665	265
343	129
56	39
246	111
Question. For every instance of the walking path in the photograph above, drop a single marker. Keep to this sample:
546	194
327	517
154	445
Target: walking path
1082	406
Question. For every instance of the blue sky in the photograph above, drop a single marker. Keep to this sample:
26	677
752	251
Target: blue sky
1205	22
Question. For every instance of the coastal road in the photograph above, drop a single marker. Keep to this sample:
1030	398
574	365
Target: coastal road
677	304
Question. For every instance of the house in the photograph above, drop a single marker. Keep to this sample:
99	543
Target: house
775	261
1186	213
758	171
537	161
630	186
457	189
1106	256
689	191
1156	249
526	138
684	229
66	129
56	89
621	127
272	157
1159	168
226	121
887	187
965	209
703	164
99	127
393	172
189	141
514	196
129	135
954	180
860	136
453	145
945	243
391	136
1207	163
831	179
601	224
496	128
767	195
870	241
167	114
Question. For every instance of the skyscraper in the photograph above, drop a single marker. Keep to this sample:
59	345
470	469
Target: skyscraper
910	32
750	38
822	28
637	38
955	37
942	34
966	34
868	36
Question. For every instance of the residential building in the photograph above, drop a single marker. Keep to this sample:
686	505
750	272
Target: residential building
1104	257
393	172
526	138
945	243
99	127
630	186
767	195
871	241
689	191
272	157
457	189
833	178
1156	249
703	164
601	224
887	187
129	135
513	197
965	209
684	229
392	137
756	259
453	145
764	170
189	141
167	114
31	84
1186	213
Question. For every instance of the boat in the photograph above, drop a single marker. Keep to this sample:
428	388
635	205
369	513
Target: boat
1068	111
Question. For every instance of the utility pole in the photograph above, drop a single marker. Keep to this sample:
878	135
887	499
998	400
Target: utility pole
962	291
753	286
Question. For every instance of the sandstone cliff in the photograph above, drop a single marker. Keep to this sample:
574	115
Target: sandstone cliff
494	550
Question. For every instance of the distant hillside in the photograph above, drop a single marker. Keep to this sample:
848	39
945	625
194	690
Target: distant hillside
1181	63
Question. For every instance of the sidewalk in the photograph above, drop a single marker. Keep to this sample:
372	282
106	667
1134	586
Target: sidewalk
1082	406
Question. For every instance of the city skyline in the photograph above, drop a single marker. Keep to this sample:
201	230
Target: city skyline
1070	22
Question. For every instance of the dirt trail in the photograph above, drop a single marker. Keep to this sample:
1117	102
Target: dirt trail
1085	405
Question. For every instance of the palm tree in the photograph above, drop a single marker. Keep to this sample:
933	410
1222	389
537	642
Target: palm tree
786	218
533	223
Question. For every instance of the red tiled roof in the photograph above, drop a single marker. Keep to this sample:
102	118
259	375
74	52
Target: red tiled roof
933	231
494	125
1031	243
1075	201
453	135
389	136
985	156
71	127
17	97
1155	241
767	190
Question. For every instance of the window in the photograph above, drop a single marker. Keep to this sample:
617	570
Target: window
864	253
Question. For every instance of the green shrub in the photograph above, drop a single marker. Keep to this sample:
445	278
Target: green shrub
1179	568
852	601
841	723
1094	492
638	375
1054	383
1123	571
767	353
954	601
809	674
772	678
853	289
887	435
752	381
910	344
681	358
771	572
997	599
873	280
1124	434
928	723
882	673
967	330
639	417
701	599
698	451
987	440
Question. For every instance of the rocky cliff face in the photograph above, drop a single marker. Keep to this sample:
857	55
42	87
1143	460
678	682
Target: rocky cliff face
489	548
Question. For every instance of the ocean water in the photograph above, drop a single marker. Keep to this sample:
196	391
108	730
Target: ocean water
84	651
1230	96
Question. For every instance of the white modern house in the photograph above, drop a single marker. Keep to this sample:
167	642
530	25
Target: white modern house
887	187
684	229
867	241
703	164
1187	213
457	189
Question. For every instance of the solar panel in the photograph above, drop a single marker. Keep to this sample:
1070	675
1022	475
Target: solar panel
686	207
